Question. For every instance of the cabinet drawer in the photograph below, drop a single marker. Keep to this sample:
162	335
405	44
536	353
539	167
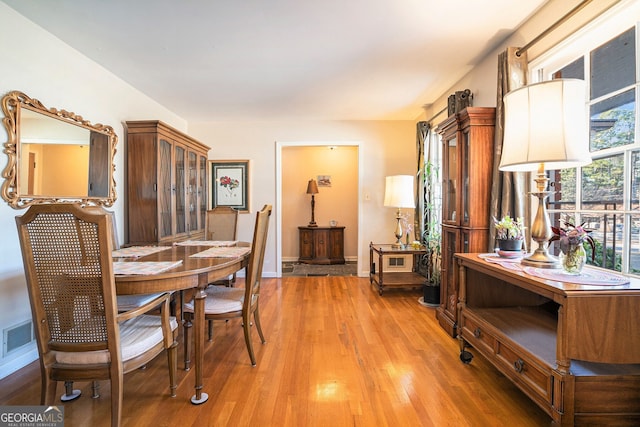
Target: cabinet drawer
475	335
524	370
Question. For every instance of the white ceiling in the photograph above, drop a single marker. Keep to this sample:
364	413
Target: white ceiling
210	60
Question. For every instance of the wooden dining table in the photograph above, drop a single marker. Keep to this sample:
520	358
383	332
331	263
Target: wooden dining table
191	273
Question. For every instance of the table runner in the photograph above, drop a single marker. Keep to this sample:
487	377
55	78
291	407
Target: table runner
143	267
588	276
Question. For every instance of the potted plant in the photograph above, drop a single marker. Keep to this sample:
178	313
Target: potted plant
509	233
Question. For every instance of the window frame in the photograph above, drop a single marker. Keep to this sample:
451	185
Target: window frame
609	25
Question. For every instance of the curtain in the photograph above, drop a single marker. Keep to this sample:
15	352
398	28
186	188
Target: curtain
509	190
423	194
422	135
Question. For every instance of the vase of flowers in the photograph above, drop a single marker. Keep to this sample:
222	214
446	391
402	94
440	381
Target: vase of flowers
572	239
509	233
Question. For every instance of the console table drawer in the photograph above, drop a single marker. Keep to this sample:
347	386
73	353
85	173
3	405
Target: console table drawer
525	371
475	334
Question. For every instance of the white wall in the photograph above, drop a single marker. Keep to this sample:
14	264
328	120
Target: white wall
44	68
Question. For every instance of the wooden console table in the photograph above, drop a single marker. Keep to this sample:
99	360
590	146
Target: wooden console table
574	349
384	279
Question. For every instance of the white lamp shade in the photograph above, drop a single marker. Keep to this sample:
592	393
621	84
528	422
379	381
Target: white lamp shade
398	192
546	123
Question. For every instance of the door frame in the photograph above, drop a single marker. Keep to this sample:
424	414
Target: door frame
278	211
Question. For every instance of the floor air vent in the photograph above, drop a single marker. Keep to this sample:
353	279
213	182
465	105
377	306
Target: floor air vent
16	337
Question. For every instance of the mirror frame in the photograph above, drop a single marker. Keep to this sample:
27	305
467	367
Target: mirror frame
12	103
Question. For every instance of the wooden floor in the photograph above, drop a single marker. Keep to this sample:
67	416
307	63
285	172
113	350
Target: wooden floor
337	354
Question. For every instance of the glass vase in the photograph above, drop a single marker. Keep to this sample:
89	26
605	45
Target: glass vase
573	258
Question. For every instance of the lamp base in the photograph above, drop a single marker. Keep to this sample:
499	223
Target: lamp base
312	224
541	259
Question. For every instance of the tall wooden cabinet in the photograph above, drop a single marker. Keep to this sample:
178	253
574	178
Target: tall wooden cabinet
166	184
467	154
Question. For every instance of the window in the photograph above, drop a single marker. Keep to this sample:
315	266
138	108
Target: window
605	194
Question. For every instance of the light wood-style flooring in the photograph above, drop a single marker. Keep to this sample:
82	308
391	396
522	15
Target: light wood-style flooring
337	354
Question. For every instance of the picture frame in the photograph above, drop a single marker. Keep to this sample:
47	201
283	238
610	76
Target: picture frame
324	180
230	184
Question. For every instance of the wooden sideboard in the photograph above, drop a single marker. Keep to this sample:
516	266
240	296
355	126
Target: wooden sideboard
321	245
573	349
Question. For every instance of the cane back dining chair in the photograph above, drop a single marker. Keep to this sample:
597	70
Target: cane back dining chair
223	303
221	223
81	336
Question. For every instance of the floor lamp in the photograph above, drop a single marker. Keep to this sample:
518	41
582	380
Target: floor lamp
398	193
545	128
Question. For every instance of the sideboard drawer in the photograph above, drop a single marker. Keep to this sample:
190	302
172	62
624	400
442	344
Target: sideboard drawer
525	370
475	334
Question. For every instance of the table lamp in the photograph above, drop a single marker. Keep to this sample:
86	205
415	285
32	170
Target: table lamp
312	188
398	193
545	128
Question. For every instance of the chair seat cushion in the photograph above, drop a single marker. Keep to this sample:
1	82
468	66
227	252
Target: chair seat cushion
137	335
130	302
220	300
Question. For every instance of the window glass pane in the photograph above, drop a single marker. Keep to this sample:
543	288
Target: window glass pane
613	122
602	183
563	182
634	253
613	64
635	180
575	70
607	231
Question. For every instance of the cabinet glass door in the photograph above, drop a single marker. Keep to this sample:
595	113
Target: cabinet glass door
464	164
192	191
202	191
450	176
181	200
165	214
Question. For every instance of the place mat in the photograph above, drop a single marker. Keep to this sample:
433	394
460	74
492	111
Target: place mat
137	251
223	252
588	276
207	243
144	267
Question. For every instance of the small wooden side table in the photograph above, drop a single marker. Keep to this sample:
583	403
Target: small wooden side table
387	279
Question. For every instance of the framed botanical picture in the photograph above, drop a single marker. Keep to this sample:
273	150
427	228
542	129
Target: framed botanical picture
230	184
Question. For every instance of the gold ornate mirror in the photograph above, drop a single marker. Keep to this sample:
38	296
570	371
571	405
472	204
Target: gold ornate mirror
55	155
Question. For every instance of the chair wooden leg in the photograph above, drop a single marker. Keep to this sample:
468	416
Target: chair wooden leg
210	330
256	318
246	326
172	356
116	395
48	391
187	338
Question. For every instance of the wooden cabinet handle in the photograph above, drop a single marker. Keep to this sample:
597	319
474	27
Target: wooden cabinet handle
518	365
477	333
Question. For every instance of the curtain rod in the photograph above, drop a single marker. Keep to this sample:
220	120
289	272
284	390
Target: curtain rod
437	114
553	27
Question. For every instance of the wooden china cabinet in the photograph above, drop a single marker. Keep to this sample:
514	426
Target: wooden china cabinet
467	152
166	184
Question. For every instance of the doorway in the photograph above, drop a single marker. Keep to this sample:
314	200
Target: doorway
338	200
